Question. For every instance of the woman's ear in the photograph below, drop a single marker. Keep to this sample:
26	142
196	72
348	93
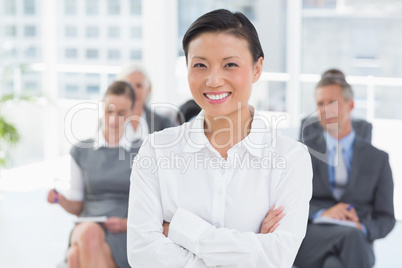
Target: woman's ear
257	69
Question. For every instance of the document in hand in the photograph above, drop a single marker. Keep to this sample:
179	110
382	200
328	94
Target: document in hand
90	219
328	220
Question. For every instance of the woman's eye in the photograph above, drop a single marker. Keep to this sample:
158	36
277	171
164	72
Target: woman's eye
198	65
231	65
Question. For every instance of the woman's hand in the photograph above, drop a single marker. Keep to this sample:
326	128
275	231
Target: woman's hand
271	221
116	225
166	228
73	207
54	197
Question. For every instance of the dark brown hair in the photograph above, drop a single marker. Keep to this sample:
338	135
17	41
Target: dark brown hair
119	88
222	20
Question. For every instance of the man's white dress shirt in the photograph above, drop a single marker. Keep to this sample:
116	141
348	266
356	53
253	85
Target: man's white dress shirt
215	206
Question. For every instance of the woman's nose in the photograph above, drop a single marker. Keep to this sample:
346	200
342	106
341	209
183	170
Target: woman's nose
215	78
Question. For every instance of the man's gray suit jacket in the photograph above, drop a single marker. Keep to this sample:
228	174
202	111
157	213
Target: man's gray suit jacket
370	188
310	126
155	121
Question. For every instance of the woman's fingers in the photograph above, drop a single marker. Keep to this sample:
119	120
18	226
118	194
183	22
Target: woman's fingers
271	221
273	228
51	196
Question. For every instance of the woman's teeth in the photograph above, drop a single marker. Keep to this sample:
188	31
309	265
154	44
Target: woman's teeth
217	97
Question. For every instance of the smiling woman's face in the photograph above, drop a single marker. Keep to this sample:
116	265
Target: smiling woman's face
221	73
117	109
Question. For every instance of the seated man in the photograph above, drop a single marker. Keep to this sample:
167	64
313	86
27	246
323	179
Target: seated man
352	184
310	125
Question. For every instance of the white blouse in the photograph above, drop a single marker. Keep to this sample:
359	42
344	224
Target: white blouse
142	129
215	206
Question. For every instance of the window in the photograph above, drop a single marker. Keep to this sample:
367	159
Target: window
135	7
10	52
113	54
8	87
29	7
92	7
249	12
70	7
136	32
30	31
30	86
70	53
9	7
92	32
114	7
10	31
92	89
113	32
319	3
71	31
93	78
136	54
111	78
71	88
92	53
31	52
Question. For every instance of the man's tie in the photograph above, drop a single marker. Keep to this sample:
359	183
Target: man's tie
341	173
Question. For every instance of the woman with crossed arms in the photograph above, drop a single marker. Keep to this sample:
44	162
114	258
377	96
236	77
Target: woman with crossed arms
223	190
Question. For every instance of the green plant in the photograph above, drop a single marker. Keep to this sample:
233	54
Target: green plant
9	135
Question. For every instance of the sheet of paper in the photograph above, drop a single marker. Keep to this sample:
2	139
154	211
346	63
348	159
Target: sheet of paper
91	219
327	220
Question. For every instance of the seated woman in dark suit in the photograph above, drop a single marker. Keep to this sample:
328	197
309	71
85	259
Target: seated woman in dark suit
100	178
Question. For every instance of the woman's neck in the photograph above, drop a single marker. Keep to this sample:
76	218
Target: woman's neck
223	132
137	112
112	137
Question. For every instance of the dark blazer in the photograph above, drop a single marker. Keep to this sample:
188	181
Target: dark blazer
370	188
311	125
156	122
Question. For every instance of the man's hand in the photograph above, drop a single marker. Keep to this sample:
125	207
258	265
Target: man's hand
116	225
271	221
340	211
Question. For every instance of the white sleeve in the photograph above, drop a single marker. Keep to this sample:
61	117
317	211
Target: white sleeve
146	244
230	248
76	191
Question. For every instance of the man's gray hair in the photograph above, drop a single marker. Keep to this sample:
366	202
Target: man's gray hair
133	68
328	80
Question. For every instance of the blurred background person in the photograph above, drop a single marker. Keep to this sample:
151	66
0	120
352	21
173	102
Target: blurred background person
187	111
143	120
100	173
310	125
352	186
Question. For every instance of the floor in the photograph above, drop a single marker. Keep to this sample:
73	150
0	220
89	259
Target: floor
34	233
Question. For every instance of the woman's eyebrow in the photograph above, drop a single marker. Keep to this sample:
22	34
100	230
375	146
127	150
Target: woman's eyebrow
231	57
197	57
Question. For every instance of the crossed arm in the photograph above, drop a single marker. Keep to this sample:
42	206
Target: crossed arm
190	241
